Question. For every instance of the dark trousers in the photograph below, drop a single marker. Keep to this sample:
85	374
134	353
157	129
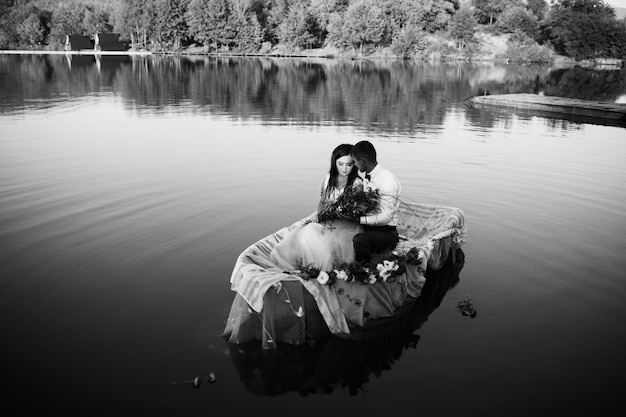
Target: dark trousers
374	239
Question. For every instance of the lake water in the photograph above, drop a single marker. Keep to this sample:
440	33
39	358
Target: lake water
129	186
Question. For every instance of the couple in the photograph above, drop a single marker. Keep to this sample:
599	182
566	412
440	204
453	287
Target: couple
351	238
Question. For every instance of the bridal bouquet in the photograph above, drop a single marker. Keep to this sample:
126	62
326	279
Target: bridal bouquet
354	201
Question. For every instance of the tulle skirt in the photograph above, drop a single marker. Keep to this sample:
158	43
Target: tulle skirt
315	244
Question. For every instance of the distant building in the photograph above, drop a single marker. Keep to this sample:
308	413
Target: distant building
109	42
77	43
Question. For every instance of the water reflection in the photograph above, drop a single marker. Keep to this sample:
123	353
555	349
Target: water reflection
489	117
336	363
382	96
586	84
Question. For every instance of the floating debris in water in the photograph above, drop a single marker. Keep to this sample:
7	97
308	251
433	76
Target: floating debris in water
197	381
467	308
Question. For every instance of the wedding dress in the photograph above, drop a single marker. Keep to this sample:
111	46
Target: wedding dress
274	304
323	246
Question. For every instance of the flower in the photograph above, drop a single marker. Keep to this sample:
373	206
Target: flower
341	274
414	256
323	277
354	201
388	266
309	272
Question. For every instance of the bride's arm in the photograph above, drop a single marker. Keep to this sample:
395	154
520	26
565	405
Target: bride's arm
323	202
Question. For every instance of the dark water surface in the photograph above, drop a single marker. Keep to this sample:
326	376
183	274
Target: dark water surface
129	185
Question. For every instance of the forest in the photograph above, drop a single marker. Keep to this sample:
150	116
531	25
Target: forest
413	29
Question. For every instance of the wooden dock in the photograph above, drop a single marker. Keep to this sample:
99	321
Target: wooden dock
584	110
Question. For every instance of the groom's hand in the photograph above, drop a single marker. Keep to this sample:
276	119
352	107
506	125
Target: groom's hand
347	218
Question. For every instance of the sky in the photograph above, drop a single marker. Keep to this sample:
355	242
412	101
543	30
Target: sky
616	3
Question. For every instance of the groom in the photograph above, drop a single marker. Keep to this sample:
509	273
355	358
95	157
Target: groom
379	234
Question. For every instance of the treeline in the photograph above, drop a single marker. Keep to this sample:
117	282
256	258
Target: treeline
408	28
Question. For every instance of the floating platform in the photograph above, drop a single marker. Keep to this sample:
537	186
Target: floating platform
549	106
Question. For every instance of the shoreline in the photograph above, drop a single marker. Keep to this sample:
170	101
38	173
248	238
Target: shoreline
598	63
295	55
180	53
82	52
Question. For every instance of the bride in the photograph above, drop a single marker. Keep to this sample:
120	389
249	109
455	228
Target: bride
323	245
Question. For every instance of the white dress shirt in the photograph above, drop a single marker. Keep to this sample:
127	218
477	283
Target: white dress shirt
389	187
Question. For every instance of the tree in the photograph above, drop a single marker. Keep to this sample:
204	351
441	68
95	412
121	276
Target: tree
135	20
67	19
171	25
405	16
97	19
437	14
409	42
208	21
276	12
31	31
364	24
240	8
584	29
518	19
23	24
299	29
462	26
321	10
249	33
538	7
488	11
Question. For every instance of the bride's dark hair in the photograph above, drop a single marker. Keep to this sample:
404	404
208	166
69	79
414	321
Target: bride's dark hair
340	151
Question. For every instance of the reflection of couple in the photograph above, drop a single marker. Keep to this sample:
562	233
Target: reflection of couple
348	239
